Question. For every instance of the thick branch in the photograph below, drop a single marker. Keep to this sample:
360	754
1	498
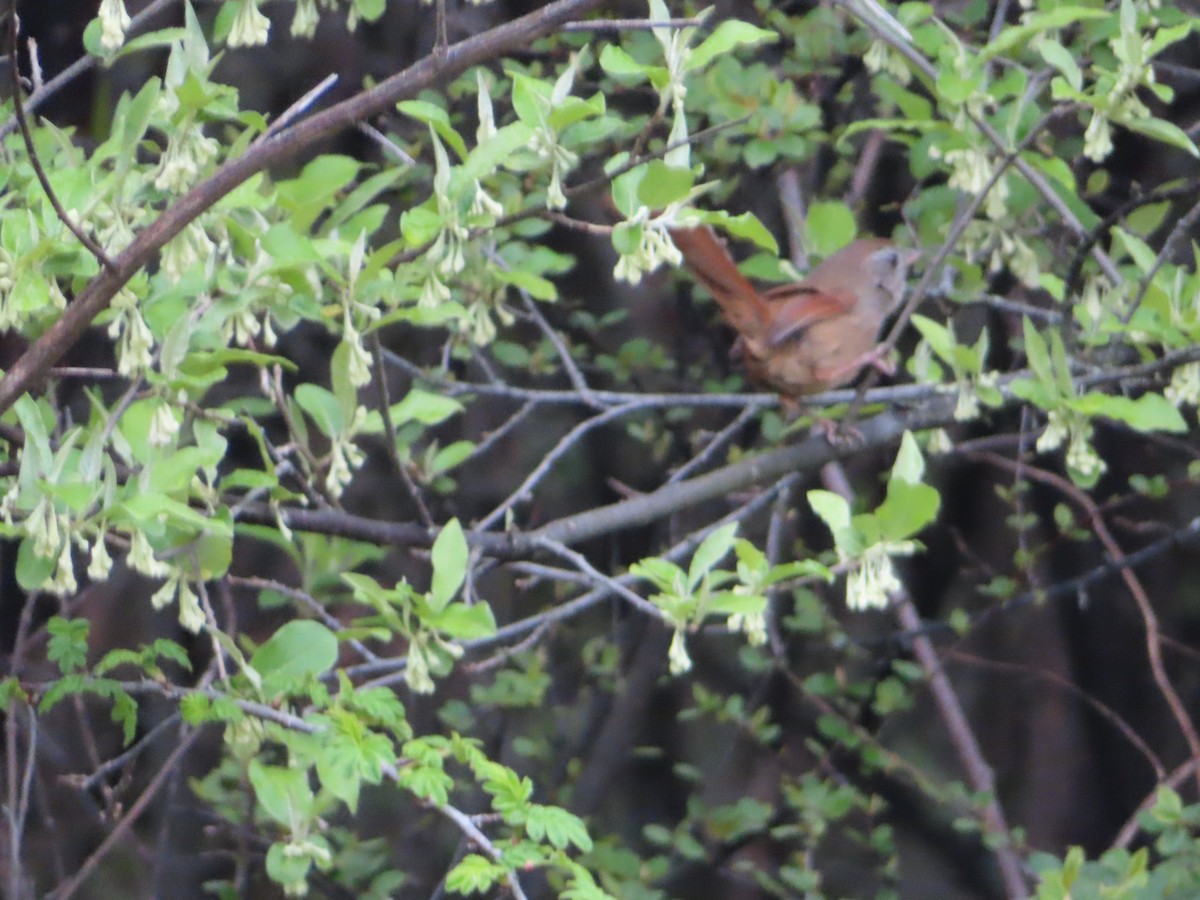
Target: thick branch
431	70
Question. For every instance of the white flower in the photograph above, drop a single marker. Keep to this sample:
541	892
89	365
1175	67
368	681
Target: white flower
358	366
966	407
969	171
304	22
753	625
939	442
250	27
1184	386
63	581
188	152
165	594
433	291
100	564
677	656
141	557
416	672
1082	456
881	58
1097	139
43	527
1056	432
654	248
163	426
135	339
191	616
113	21
869	586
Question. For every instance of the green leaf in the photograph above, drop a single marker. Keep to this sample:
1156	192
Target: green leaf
322	407
662	573
283	794
36	448
664	184
1033	24
297	650
288	869
308	195
746	227
475	874
909	465
339	377
557	826
420	225
909	507
1061	58
449	557
486	158
1149	412
424	407
438	119
32	570
1038	354
829	227
535	285
616	61
1161	130
711	551
67	647
832	508
464	623
727	36
370	10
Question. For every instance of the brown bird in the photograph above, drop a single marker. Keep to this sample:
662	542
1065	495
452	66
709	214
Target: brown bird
813	335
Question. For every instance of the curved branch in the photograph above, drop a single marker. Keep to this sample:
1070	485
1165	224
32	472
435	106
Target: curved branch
426	73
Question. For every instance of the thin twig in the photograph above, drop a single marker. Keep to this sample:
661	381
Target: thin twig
1102	709
632	24
565	443
389	146
389	433
493	437
1035	178
580	562
970	754
1182	230
86	62
479	839
957	229
1133	825
962	737
308	99
1132	582
714	446
561	612
74	322
66	890
101	772
19	109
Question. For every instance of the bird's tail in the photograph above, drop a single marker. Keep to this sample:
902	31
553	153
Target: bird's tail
708	260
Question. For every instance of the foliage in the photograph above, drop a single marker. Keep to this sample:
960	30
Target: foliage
321	368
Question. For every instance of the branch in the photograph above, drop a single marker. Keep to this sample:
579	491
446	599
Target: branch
1145	608
1035	178
970	754
291	142
69	887
19	108
936	409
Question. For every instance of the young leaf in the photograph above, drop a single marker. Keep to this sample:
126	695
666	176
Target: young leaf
449	564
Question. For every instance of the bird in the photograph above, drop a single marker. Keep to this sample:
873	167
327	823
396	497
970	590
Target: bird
815	334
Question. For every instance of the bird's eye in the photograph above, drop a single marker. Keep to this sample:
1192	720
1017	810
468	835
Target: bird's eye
888	256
